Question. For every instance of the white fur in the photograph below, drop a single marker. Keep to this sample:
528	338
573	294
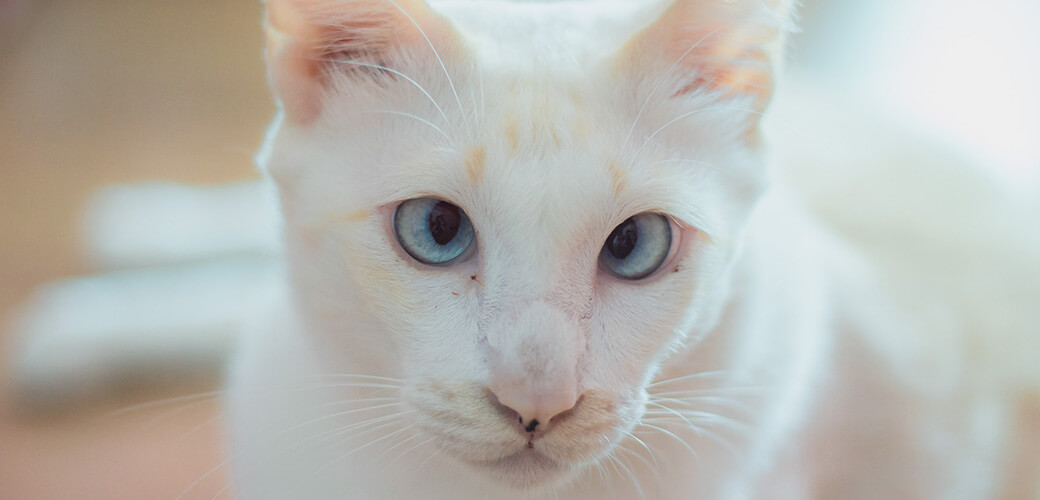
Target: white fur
804	389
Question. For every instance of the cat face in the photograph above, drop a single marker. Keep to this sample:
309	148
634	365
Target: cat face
523	231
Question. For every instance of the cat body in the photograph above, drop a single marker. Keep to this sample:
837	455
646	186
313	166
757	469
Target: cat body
748	364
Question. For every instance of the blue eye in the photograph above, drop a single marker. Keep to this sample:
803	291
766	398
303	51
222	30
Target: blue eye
637	247
432	231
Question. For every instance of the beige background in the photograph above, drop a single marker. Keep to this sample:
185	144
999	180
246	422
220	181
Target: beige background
103	91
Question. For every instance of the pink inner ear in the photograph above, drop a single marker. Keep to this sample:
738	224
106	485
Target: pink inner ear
308	40
297	82
728	47
300	64
733	75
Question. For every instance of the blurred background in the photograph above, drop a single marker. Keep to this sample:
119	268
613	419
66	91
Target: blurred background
96	92
100	92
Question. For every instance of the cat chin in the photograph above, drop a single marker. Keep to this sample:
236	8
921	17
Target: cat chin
525	469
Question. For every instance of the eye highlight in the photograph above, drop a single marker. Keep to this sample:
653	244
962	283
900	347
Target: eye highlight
637	247
433	231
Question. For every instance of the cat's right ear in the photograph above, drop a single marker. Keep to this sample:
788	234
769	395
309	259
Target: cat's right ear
311	41
731	48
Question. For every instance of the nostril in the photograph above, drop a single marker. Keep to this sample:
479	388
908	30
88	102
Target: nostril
531	426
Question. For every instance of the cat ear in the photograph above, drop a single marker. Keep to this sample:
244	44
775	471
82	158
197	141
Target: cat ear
730	46
309	41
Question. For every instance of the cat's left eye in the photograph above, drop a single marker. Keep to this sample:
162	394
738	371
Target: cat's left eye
638	246
433	231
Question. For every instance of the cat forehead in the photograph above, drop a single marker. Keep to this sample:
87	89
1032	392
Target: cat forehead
511	33
538	115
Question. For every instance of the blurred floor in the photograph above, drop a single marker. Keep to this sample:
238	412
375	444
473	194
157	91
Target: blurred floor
94	92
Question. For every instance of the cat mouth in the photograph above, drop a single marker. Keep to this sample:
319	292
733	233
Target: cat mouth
526	468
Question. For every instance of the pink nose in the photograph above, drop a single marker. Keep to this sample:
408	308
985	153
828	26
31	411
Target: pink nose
535	409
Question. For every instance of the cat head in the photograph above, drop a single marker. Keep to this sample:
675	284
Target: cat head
522	211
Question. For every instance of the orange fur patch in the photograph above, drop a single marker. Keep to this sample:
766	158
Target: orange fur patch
543	124
355	216
331	220
577	98
555	137
617	177
581	128
475	161
513	134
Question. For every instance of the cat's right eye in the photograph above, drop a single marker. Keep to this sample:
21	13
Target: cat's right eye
638	246
433	231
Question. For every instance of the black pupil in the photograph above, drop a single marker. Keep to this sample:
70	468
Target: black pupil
445	219
623	240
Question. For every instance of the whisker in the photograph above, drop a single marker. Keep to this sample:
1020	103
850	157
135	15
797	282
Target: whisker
473	102
378	384
409	115
173	412
207	422
712	391
713	418
355	450
398	73
422	464
331	433
643	444
702	431
198	397
319	470
395	446
202	478
218	417
681	416
661	82
700	163
599	468
222	490
412	448
342	413
302	444
483	108
687	115
715	373
672	435
333	439
356	375
436	55
641	458
635	480
366	385
613	463
698	401
330	438
361	400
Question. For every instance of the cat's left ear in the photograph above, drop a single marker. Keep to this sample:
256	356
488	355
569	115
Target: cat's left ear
732	47
311	42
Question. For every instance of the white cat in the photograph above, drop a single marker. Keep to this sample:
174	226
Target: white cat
530	256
